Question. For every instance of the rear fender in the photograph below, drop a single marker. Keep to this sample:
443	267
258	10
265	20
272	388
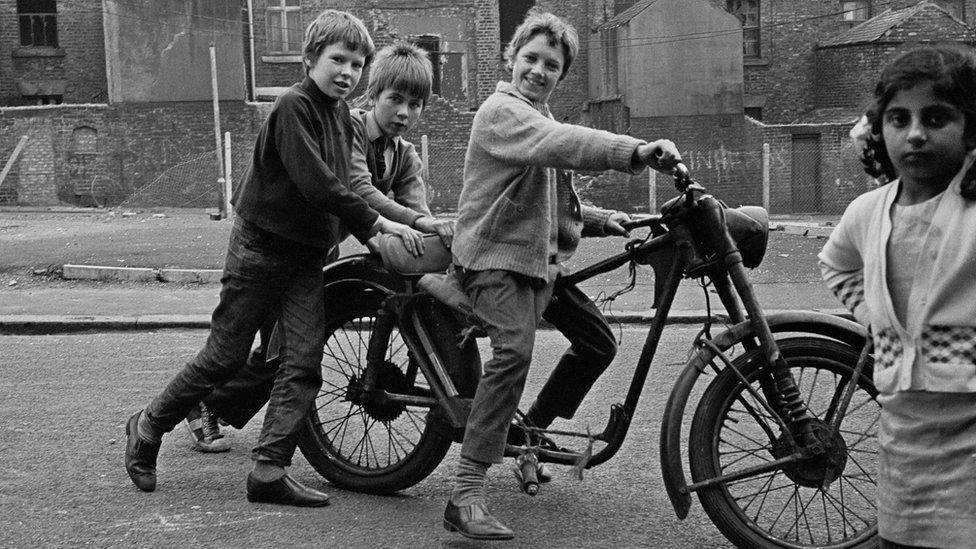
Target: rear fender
344	280
358	268
807	322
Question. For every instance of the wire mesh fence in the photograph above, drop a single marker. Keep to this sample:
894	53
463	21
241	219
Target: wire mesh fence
800	176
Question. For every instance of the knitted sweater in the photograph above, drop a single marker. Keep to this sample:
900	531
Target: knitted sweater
940	354
518	210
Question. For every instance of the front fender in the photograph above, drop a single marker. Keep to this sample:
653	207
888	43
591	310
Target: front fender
807	322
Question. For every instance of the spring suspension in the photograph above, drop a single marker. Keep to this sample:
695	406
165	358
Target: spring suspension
791	406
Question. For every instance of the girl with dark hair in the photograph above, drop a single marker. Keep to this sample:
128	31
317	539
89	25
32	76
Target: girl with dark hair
903	260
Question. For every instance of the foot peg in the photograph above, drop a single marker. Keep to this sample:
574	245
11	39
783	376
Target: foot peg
527	472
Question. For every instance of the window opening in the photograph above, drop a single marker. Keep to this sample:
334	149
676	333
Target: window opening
38	21
284	26
747	11
432	44
511	13
855	12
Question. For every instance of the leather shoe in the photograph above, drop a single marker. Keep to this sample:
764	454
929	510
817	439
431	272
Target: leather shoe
475	522
140	456
285	491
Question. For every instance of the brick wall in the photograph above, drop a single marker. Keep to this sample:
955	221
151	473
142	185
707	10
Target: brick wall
151	154
719	151
447	130
79	61
840	178
862	63
789	73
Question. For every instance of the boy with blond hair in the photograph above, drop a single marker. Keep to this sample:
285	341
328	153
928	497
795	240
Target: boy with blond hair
519	220
296	181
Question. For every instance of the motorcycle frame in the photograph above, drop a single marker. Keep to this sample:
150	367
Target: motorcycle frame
688	226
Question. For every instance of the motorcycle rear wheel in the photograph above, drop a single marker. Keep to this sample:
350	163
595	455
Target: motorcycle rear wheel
368	447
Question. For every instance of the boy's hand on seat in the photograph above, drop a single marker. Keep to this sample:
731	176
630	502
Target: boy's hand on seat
613	225
443	227
413	240
661	155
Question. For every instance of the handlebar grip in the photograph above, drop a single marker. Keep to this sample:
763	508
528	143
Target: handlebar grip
681	171
641	222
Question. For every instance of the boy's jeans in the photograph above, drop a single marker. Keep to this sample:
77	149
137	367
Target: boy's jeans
263	273
511	304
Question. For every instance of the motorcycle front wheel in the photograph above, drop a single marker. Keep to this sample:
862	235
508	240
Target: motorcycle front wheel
823	501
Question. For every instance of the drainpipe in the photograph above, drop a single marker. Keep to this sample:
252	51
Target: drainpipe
250	44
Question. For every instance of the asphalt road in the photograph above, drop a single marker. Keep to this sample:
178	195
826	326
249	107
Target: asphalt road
65	399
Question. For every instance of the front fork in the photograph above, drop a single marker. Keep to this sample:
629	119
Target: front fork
782	393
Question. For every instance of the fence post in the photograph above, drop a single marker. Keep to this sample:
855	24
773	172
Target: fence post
216	109
13	158
425	159
765	176
228	178
652	190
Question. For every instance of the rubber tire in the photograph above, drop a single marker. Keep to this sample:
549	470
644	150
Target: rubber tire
347	304
706	434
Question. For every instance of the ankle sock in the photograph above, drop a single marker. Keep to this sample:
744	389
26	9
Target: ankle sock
266	472
146	431
469	484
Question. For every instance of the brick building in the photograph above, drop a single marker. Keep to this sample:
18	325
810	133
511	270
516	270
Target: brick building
740	85
783	107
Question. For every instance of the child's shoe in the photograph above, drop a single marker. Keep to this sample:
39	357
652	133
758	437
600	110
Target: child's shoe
205	431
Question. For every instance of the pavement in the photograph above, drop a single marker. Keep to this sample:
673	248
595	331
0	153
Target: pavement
100	297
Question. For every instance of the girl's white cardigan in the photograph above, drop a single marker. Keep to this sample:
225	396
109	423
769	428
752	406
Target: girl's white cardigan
940	355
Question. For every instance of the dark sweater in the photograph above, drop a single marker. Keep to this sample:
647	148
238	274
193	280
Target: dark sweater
300	170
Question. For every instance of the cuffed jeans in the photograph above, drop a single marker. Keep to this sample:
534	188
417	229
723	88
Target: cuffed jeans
263	274
511	305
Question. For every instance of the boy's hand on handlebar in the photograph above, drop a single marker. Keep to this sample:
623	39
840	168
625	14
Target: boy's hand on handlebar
614	226
443	227
661	155
413	240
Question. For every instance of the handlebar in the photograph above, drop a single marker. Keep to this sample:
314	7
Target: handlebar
682	178
647	221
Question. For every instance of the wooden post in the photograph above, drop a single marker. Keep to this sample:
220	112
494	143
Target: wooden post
765	176
425	158
216	108
13	158
228	178
652	190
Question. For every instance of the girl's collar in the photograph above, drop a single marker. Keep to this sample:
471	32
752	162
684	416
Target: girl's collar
964	182
967	177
